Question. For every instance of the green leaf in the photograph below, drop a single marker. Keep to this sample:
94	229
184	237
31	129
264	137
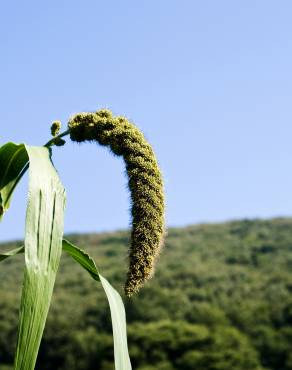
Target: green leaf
11	253
82	258
122	359
13	164
43	247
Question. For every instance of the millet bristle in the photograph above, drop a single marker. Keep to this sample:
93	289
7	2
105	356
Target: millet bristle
144	181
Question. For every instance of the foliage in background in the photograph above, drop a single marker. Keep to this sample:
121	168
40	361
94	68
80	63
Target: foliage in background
221	300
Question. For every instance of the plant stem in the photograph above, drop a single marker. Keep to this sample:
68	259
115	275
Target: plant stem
52	141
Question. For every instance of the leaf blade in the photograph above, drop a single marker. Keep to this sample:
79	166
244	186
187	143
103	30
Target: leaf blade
43	246
13	164
11	253
82	258
118	315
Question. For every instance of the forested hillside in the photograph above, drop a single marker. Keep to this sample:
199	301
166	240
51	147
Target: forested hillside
221	299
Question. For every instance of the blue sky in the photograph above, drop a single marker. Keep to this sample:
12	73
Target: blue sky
208	82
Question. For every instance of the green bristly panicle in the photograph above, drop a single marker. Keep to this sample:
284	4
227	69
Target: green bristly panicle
145	184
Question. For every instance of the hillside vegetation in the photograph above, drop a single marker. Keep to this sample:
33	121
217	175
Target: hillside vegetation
220	300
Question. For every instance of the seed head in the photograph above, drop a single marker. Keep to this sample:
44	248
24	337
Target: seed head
144	181
55	128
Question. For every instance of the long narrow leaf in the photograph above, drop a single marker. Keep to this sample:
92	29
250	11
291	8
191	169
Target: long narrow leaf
122	359
43	246
11	253
13	163
82	258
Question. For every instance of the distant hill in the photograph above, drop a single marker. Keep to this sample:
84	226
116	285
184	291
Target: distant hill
221	299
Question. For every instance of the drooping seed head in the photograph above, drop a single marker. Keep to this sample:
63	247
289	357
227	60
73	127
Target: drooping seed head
144	181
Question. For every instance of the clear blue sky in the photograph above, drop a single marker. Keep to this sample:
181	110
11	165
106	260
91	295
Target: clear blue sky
209	83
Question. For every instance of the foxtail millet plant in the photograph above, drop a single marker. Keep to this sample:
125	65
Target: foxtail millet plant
145	184
44	241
